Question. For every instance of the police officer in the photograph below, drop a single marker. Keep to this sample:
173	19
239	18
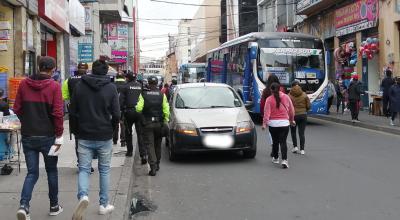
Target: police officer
155	110
120	84
129	97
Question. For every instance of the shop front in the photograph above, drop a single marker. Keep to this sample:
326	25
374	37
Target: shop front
358	44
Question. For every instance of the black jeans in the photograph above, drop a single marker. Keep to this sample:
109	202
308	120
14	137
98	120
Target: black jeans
116	132
340	101
279	136
301	122
354	109
132	117
386	105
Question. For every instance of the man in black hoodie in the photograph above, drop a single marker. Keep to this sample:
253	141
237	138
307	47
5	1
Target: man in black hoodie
95	107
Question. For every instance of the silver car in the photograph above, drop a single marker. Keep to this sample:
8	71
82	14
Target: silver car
209	117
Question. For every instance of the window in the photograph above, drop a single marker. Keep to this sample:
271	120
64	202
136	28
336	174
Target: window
207	97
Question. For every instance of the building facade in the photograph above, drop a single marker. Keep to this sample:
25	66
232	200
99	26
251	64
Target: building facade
183	42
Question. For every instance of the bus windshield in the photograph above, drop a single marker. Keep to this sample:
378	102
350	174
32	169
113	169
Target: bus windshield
292	60
191	74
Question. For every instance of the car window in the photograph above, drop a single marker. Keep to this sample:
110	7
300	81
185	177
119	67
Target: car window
207	97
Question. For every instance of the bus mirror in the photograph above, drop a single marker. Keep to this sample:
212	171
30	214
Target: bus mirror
253	50
249	105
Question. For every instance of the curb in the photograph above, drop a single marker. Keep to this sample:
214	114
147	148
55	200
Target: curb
122	194
359	124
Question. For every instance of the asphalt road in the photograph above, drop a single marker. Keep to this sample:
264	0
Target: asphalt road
347	173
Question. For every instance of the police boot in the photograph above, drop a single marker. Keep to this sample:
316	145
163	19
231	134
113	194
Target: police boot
152	170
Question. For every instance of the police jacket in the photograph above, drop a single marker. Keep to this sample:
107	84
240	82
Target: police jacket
120	83
69	85
129	95
153	105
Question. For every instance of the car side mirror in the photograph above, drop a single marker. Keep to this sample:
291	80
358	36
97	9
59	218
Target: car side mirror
249	105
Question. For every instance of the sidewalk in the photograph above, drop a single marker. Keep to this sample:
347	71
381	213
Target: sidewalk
378	123
121	173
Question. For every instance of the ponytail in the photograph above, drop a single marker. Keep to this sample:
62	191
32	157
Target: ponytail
275	87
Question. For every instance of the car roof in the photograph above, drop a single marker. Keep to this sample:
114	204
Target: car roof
199	85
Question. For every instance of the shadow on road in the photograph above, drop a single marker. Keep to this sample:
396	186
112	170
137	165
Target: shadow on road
208	158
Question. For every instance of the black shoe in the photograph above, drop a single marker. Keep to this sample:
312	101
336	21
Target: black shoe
56	210
128	154
152	172
157	167
115	143
91	170
123	144
144	161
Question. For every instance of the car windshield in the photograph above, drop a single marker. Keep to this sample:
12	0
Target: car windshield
207	97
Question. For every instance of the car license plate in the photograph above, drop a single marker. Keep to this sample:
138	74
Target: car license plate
218	141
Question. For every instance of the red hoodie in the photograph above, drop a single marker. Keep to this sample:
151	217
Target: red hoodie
39	107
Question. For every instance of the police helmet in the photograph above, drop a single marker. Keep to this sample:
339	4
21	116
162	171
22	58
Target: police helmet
152	80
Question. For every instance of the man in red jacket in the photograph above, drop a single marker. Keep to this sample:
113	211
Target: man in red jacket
39	107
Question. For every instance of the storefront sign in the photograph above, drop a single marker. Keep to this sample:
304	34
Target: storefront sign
85	53
55	12
361	15
77	15
118	41
88	18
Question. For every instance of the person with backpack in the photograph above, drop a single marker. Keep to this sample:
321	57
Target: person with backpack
39	106
278	116
302	105
95	106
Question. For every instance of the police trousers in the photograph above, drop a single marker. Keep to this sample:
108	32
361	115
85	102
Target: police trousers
152	139
134	118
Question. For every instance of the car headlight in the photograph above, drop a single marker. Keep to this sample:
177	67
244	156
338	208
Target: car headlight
244	127
186	129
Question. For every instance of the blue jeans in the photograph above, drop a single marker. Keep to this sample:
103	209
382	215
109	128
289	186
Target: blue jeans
32	147
86	150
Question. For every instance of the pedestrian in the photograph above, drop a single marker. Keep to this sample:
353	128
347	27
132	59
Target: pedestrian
354	98
278	116
129	97
394	95
331	95
120	83
3	105
68	88
39	107
155	109
96	109
172	87
165	90
386	84
340	96
302	105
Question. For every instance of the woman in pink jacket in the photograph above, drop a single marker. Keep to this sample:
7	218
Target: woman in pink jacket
278	116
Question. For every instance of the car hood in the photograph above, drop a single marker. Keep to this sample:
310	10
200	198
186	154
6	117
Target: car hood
216	117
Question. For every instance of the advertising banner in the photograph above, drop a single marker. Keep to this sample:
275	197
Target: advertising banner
85	52
118	41
361	15
88	18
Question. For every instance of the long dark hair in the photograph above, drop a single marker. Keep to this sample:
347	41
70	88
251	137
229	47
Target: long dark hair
275	87
271	79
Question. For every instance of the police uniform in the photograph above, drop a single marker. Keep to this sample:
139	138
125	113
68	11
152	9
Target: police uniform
120	84
129	97
155	110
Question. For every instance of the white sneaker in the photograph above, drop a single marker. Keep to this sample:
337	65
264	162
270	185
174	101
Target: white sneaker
22	214
392	122
80	208
302	152
295	150
275	160
105	210
285	164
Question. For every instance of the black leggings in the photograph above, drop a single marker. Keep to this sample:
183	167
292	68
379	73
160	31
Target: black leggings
279	136
301	122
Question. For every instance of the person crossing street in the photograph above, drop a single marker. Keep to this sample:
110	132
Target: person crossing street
129	97
155	109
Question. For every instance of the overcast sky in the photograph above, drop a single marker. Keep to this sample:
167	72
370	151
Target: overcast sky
155	43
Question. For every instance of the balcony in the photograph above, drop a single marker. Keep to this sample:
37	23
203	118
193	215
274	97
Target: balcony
309	7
